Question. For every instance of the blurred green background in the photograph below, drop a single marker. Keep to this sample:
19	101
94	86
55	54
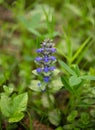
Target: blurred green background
25	23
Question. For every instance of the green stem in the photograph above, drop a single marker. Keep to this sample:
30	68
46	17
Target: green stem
49	98
30	119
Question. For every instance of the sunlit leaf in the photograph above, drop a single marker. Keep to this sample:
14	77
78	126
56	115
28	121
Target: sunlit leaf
19	103
72	116
5	102
47	100
37	86
54	117
66	67
16	117
8	89
56	72
88	77
55	85
74	80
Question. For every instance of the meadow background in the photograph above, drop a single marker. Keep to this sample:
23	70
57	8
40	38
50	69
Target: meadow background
24	24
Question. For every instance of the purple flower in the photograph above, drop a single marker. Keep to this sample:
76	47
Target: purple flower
38	59
39	70
46	79
53	50
52	68
52	58
46	59
39	84
39	50
46	69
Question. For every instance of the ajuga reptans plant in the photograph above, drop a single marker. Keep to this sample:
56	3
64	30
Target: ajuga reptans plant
46	59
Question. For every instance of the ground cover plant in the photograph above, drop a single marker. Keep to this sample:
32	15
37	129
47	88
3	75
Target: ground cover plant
47	65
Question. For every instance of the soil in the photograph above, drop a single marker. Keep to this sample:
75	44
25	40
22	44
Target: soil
5	14
39	126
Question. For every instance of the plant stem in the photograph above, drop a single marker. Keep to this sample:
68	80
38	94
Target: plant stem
49	98
30	119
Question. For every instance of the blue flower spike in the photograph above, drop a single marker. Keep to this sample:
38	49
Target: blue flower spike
46	59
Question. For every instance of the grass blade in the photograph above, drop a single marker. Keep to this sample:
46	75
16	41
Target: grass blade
81	49
66	67
88	77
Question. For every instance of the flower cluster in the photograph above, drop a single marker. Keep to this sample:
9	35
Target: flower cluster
46	59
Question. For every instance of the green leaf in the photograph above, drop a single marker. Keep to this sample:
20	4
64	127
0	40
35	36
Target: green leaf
31	24
5	105
83	52
85	118
56	84
74	9
92	113
34	31
2	78
13	107
66	84
16	117
35	21
37	86
34	72
74	80
47	100
8	89
68	127
69	47
66	67
54	117
19	103
88	77
59	128
81	49
76	69
72	116
56	72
